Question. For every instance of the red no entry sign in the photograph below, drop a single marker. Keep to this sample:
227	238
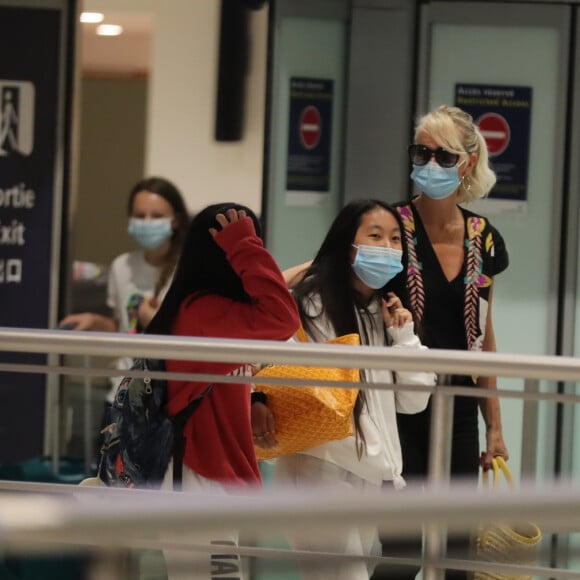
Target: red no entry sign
310	127
495	131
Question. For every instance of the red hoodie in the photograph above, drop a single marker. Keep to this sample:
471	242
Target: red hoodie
219	440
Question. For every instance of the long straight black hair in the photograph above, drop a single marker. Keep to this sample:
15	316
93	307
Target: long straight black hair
202	268
330	276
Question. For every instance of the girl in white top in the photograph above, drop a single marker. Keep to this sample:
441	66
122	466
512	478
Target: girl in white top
158	220
138	280
353	285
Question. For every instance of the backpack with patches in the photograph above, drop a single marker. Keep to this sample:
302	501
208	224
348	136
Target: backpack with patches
140	438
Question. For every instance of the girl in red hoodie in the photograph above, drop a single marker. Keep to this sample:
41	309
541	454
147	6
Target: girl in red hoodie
226	285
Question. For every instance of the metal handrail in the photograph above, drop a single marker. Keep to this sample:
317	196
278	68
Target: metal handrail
112	518
553	506
92	344
557	368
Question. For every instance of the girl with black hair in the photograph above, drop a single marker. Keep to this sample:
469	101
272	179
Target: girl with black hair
226	285
355	285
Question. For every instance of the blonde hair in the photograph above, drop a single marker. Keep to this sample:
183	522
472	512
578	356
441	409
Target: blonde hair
454	129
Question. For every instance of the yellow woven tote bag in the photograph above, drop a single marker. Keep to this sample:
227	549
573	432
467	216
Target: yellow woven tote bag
309	416
506	543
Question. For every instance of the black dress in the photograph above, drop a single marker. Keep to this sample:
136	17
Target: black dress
451	315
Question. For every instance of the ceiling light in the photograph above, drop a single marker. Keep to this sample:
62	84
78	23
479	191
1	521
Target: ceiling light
109	30
92	17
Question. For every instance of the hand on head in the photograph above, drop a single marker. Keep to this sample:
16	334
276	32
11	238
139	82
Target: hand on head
232	216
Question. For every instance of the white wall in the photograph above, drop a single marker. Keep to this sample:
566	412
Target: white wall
125	55
182	95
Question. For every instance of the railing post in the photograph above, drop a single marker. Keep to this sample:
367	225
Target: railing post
439	473
530	430
121	564
53	420
87	417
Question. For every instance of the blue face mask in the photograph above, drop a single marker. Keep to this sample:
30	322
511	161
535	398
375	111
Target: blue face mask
150	234
376	266
435	181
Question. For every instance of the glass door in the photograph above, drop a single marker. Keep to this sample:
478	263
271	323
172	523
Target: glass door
508	65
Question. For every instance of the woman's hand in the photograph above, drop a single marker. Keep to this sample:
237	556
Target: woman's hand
82	321
88	321
393	312
294	275
147	310
232	216
495	447
263	426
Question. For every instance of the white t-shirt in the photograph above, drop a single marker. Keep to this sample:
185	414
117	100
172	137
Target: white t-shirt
131	279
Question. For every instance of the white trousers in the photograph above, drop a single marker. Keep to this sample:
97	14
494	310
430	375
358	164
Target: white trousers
301	470
200	565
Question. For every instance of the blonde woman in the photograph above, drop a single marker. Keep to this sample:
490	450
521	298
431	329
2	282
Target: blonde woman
454	256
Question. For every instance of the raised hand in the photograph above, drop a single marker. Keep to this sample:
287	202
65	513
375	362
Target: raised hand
393	312
231	217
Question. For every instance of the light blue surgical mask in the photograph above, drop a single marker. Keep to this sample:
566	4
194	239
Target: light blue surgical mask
376	266
435	181
150	234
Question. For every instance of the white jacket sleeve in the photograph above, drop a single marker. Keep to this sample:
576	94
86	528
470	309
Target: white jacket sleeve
410	401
